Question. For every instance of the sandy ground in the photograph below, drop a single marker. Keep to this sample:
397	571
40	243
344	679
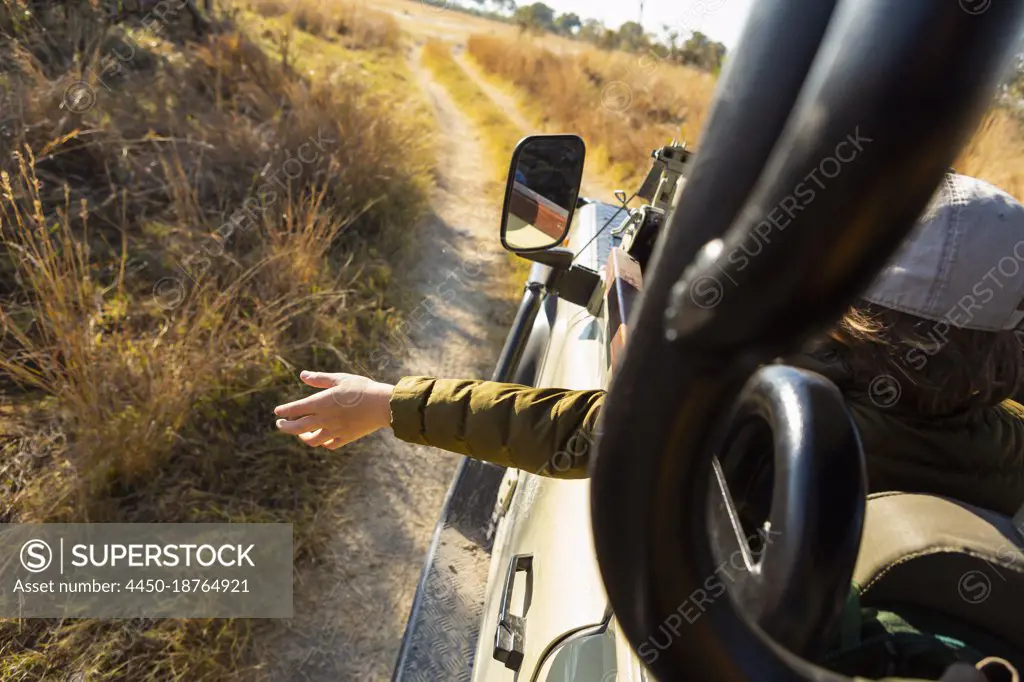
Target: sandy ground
351	610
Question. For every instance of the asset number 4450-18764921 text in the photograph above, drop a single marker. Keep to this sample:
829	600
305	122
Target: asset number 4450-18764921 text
187	585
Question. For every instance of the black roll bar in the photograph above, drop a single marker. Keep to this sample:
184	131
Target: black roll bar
911	76
756	92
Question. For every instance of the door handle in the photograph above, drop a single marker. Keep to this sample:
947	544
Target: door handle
510	635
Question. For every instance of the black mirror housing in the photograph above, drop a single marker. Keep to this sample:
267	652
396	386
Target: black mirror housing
542	192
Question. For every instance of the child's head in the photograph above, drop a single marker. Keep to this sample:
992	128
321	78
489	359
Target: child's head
940	321
938	372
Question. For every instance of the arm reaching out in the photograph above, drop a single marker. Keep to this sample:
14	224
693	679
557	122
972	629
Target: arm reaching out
546	431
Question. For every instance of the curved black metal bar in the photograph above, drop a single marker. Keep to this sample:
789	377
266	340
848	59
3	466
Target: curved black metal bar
755	95
800	580
914	76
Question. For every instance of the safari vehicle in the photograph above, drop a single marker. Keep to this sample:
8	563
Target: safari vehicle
612	578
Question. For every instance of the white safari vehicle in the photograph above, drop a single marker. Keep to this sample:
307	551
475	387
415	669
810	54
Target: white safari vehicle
616	578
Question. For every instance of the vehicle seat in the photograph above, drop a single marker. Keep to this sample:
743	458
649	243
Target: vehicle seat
944	555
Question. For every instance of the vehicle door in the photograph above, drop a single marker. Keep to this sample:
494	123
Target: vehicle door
544	570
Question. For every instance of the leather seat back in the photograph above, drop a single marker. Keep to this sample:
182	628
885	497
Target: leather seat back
944	555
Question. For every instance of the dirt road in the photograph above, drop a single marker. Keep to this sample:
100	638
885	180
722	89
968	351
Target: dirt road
595	184
351	611
440	19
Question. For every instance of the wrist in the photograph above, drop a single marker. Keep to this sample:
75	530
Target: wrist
380	395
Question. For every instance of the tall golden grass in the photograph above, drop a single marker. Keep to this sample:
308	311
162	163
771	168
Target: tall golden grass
177	236
995	152
356	25
624	105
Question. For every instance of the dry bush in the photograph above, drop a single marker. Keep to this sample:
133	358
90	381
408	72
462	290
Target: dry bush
228	118
271	8
623	105
317	17
206	211
123	394
357	26
364	27
177	236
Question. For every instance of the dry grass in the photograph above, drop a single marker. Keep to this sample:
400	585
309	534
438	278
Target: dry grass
996	152
166	264
125	650
626	105
623	105
357	26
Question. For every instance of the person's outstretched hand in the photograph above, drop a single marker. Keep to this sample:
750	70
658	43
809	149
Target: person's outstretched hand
349	407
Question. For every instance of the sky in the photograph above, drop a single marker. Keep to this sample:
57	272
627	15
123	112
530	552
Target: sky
722	20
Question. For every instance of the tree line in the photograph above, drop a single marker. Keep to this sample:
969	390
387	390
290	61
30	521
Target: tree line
696	49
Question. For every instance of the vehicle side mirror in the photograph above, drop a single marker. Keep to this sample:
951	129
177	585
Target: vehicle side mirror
543	186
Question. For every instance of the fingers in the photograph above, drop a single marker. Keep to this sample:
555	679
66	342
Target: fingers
310	432
303	407
348	392
316	438
299	426
320	379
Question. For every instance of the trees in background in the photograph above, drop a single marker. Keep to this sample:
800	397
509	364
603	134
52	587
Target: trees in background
696	49
536	17
592	30
632	38
568	24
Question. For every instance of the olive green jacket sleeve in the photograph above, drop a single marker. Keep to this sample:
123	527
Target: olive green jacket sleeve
546	431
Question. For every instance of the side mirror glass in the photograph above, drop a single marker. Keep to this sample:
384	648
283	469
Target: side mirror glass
543	186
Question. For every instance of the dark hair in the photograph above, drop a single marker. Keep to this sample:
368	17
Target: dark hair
941	369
